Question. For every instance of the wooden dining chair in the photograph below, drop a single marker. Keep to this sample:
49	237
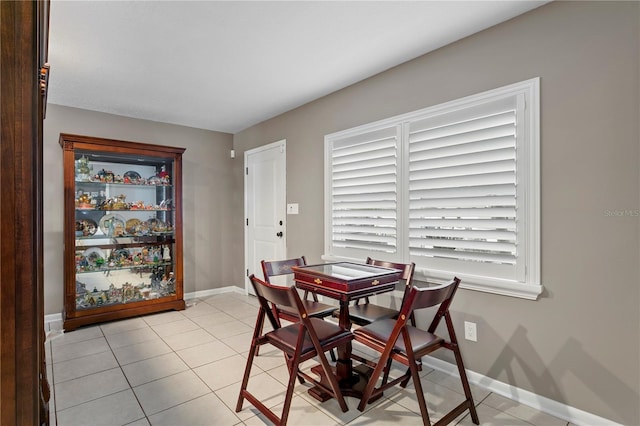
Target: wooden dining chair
306	339
313	307
398	341
362	312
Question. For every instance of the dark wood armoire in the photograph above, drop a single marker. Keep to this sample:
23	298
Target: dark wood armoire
24	391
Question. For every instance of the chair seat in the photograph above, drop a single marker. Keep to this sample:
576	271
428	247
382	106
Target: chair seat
329	335
380	332
314	309
367	313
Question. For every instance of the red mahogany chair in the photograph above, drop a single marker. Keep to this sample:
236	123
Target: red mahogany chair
306	339
398	341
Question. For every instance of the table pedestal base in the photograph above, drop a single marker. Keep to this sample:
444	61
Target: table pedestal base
353	386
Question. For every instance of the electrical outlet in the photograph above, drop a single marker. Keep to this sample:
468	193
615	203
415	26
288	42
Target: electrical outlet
470	331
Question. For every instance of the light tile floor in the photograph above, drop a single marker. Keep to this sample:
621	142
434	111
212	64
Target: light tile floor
184	368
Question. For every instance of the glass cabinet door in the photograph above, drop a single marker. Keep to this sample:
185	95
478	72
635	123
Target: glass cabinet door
124	230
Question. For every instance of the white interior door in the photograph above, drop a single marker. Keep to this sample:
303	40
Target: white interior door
265	207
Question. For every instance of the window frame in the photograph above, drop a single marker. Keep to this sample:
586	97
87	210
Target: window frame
527	175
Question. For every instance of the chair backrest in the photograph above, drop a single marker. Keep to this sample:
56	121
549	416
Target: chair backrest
273	295
426	297
407	273
406	268
275	268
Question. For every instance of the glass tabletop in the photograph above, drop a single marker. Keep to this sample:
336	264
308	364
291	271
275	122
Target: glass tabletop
347	270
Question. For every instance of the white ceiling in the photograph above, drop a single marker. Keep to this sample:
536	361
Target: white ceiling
226	65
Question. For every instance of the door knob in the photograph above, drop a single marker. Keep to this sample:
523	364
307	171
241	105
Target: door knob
279	234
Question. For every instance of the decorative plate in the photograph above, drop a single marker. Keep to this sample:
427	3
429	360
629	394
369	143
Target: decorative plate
132	176
156	225
112	225
133	226
120	254
94	256
86	227
154	180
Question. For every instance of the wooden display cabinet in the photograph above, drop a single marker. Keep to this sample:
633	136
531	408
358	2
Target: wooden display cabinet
122	229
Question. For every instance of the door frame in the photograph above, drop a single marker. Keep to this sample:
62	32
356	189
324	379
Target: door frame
24	390
283	144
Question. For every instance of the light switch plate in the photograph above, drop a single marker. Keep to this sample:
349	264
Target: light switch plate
292	208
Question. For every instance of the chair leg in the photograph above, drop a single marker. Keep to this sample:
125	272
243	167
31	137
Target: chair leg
332	354
293	373
417	384
465	384
408	374
453	345
258	348
333	381
247	371
387	371
371	384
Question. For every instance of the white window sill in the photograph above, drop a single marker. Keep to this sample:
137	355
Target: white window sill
486	285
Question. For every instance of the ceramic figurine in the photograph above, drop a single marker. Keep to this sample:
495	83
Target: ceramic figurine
163	174
83	169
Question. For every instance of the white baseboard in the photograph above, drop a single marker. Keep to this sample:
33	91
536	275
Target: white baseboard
541	403
52	318
213	292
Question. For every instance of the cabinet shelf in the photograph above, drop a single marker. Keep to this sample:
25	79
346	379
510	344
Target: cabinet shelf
123	240
121	184
158	238
79	209
125	267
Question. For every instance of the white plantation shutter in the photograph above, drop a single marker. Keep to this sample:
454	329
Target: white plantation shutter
453	187
463	189
363	177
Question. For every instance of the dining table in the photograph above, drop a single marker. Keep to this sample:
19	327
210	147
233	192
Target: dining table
345	282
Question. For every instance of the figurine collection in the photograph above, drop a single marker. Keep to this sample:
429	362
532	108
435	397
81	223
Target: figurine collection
161	284
98	201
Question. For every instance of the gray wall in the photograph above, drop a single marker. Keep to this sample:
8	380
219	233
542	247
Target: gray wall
579	343
207	182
